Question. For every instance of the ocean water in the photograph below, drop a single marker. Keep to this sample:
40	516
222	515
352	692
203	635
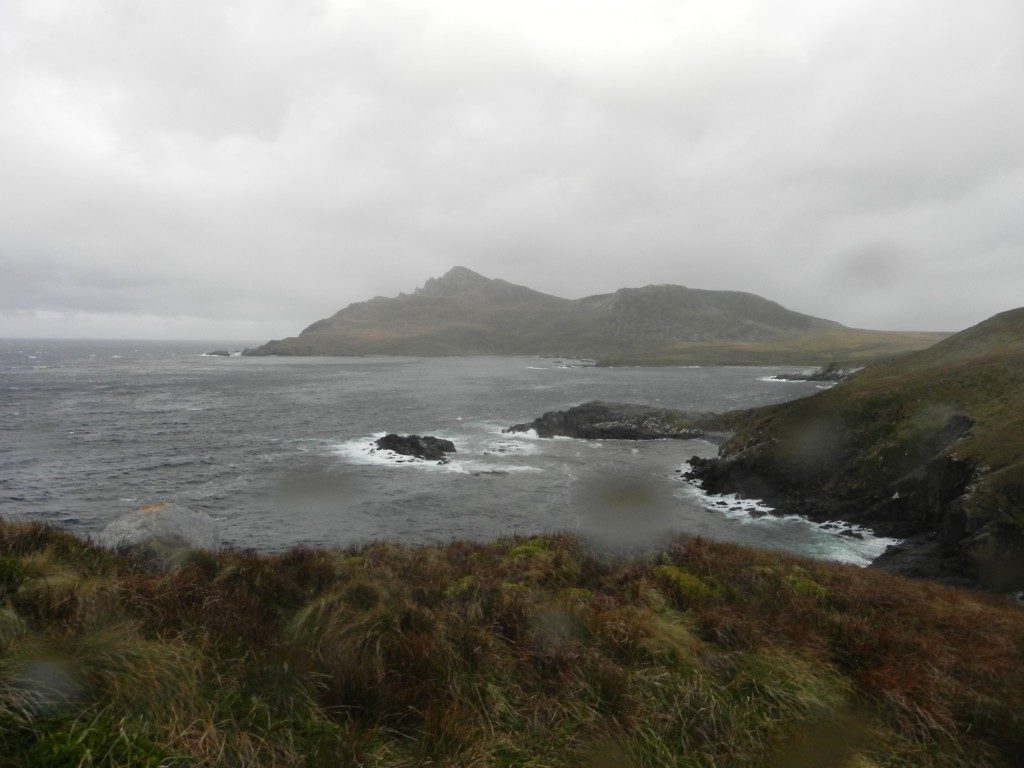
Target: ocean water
279	450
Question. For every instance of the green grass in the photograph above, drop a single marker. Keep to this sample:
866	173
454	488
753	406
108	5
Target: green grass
888	419
522	652
881	432
846	346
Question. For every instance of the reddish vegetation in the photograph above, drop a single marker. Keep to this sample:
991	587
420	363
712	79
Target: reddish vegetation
535	652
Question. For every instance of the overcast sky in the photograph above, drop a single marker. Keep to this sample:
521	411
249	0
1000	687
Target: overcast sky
239	169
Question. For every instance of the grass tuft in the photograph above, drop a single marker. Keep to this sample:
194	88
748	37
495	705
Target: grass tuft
525	652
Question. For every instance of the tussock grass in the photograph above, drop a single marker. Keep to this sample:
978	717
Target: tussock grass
525	652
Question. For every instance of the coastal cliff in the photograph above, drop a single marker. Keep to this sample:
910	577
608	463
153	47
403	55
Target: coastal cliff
928	446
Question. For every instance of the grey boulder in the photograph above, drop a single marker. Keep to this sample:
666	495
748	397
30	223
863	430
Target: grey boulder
162	527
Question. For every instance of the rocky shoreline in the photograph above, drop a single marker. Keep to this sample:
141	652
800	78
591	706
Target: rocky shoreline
929	510
599	420
925	510
923	552
833	372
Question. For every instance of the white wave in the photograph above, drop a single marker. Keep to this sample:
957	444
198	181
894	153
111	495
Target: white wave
829	541
510	447
531	434
362	450
483	468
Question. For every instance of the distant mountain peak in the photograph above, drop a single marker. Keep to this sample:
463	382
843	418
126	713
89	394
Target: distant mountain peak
462	273
456	280
465	313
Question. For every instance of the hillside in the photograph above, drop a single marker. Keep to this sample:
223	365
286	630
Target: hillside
526	652
932	442
464	313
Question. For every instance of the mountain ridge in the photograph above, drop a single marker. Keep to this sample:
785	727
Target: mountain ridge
465	313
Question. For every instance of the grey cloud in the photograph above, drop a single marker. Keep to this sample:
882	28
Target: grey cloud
263	162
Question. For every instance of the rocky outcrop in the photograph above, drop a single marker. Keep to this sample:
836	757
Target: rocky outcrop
163	529
613	421
426	447
924	556
218	353
832	372
938	510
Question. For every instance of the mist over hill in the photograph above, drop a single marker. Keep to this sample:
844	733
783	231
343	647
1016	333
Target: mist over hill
465	313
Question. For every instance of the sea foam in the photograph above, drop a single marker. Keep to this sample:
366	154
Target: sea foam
828	541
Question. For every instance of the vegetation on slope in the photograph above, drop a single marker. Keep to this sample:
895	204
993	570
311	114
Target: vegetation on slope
463	313
843	347
534	652
930	441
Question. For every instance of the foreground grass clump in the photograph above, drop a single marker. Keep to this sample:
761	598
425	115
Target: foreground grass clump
527	652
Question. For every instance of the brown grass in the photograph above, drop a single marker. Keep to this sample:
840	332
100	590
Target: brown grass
524	652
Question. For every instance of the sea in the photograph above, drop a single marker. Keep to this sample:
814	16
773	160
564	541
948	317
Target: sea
280	450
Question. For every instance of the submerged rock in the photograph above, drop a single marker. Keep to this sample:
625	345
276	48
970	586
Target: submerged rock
599	420
426	447
218	353
162	528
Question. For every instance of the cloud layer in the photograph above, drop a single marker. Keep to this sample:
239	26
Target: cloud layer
238	169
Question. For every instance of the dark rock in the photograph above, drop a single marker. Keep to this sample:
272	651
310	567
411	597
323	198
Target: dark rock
613	421
929	508
924	556
218	353
851	534
994	554
426	447
832	372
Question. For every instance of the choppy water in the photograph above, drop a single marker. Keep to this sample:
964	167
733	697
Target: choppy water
278	449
